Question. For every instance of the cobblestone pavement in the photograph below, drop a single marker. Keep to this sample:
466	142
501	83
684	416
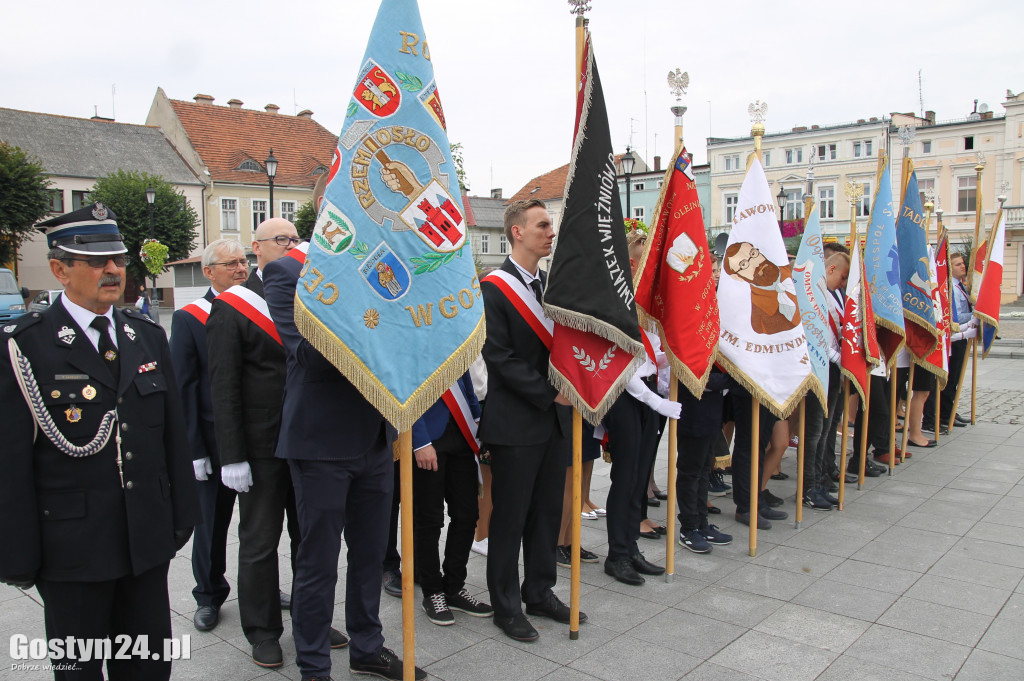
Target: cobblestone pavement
921	576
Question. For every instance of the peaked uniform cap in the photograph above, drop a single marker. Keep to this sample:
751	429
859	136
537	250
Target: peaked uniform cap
90	230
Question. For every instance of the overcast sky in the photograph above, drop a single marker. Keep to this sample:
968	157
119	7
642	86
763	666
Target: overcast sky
505	70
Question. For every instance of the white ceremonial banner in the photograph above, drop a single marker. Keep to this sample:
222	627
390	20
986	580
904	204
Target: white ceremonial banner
762	343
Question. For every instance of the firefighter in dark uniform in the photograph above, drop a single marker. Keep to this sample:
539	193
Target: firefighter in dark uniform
97	491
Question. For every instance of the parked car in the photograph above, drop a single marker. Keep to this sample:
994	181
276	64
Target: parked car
44	299
12	299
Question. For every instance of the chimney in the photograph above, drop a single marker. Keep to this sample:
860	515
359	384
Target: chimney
305	113
861	121
873	119
272	108
930	117
800	128
203	99
657	163
815	127
235	103
496	193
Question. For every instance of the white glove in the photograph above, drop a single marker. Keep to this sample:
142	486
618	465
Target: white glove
670	409
203	468
237	476
971	332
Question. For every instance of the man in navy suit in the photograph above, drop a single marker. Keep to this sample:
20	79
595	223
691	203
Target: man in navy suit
526	427
445	447
225	265
338	447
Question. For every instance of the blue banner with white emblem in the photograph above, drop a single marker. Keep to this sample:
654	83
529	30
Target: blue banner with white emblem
916	276
882	268
812	296
389	292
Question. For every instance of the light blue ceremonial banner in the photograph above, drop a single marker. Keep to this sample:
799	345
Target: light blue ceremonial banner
812	298
915	274
882	268
389	292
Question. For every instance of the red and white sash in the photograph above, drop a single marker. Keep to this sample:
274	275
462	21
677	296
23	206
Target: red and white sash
251	306
456	402
299	252
200	309
525	302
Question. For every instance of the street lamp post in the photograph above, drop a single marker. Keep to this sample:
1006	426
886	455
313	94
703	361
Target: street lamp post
271	171
154	305
781	198
627	170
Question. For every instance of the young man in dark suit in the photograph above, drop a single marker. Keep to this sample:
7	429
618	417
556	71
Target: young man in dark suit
526	427
225	265
97	491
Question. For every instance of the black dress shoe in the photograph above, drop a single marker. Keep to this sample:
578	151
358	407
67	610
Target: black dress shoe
961	420
338	639
650	535
661	495
960	424
286	601
644	566
393	583
661	529
653	502
622	569
268	653
553	608
517	628
780	476
930	443
770	513
770	499
713	509
386	665
206	617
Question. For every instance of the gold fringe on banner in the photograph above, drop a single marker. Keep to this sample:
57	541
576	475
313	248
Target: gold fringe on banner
781	410
595	413
401	415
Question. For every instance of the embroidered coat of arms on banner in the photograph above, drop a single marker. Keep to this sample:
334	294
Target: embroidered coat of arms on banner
916	274
762	344
389	292
812	297
882	268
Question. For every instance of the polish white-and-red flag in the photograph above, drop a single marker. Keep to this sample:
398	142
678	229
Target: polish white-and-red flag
986	309
860	337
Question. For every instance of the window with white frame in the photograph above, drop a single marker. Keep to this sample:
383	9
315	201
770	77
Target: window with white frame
638	186
863	148
966	193
864	203
485	246
826	202
968	142
766	158
826	152
794	204
926	146
78	199
731	200
229	215
732	162
259	212
56	197
926	188
288	210
638	212
794	155
503	245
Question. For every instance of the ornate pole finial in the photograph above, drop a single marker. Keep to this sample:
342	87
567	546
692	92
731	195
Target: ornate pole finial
906	135
758	111
1001	199
854	192
579	7
678	81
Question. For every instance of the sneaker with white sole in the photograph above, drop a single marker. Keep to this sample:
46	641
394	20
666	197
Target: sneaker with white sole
463	601
715	536
436	607
695	541
480	546
717	486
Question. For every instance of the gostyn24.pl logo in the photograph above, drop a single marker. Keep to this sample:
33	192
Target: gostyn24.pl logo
121	647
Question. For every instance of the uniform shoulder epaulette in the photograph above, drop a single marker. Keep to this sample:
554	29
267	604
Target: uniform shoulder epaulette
135	314
19	324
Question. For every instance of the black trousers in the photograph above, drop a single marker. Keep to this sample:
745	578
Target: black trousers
695	457
392	558
655	443
453	483
209	541
261	515
827	454
877	426
741	455
632	436
350	496
957	357
527	485
132	606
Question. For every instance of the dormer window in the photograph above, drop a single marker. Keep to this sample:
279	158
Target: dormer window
249	164
319	170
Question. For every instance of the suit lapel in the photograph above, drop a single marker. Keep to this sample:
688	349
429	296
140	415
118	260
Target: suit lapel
129	351
80	353
255	284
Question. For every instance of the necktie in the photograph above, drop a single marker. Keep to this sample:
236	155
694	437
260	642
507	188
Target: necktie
106	347
535	285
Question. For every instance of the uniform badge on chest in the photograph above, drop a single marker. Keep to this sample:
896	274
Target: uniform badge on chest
73	414
129	331
66	335
88	392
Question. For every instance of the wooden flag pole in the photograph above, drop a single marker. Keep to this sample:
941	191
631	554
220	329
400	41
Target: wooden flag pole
755	475
894	407
938	401
408	565
906	419
843	440
959	388
864	435
670	521
577	508
974	373
800	462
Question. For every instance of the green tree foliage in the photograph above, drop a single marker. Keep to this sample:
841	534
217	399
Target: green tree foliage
175	221
305	220
460	170
24	199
